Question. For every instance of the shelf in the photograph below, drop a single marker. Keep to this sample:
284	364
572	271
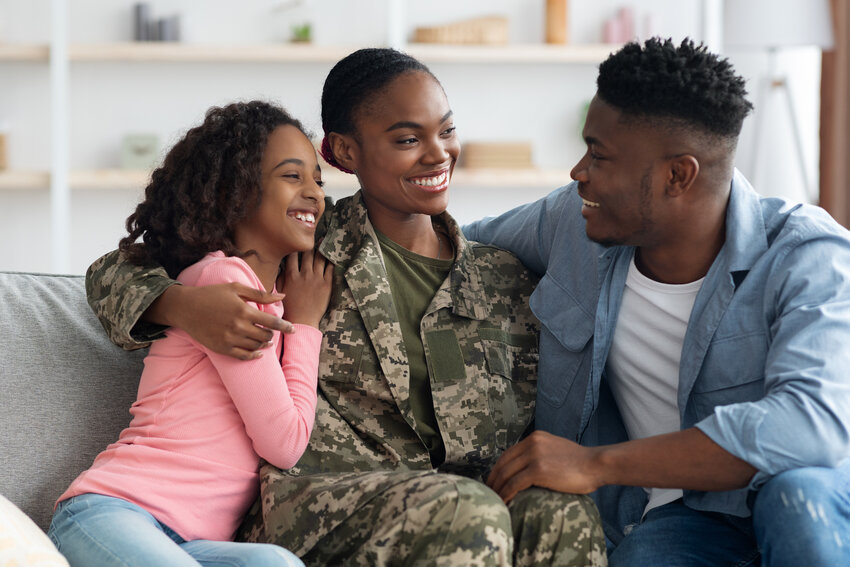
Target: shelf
515	53
11	179
295	53
197	53
109	179
24	52
122	179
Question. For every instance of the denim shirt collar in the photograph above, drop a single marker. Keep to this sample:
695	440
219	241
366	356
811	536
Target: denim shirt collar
746	237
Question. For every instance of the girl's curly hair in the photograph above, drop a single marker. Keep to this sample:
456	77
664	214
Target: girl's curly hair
208	182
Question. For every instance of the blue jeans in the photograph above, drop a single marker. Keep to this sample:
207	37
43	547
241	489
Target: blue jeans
800	517
91	529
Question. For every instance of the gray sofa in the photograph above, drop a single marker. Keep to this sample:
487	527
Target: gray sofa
66	390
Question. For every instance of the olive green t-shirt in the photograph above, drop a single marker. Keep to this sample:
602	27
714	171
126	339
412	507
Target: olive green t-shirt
414	280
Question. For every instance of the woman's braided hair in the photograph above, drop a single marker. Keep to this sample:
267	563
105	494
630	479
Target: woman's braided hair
209	181
352	81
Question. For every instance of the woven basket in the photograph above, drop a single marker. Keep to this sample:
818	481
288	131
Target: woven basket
488	30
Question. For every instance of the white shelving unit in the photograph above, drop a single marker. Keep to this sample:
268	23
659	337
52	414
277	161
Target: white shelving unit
282	53
62	178
188	54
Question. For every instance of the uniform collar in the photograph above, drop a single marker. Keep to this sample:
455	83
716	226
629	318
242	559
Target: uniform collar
349	230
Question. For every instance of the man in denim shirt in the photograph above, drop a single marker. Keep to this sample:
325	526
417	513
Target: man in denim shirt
695	351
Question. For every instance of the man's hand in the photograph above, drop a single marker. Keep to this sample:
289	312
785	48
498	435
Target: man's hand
218	317
546	461
686	459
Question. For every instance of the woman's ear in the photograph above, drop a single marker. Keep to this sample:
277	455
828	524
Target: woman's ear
345	150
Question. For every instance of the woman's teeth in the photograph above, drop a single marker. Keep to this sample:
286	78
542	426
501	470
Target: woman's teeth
430	181
587	203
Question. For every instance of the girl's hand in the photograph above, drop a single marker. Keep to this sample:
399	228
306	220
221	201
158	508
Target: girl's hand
307	287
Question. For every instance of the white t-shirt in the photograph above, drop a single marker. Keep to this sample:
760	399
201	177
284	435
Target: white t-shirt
643	365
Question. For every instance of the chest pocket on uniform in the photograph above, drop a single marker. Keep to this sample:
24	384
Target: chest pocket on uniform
510	356
512	365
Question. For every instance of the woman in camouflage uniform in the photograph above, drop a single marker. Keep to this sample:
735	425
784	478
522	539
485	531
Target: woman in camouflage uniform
428	364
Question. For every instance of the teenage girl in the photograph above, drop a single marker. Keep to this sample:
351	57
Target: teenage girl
234	197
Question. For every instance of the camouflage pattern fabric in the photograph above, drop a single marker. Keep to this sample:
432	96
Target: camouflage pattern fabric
364	492
427	518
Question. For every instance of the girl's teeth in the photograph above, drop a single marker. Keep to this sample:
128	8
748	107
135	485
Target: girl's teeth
306	217
589	203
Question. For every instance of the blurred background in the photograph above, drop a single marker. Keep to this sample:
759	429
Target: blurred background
94	92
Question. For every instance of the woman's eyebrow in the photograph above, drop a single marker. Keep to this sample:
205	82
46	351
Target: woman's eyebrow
416	125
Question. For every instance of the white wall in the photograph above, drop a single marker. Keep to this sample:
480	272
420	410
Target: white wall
542	102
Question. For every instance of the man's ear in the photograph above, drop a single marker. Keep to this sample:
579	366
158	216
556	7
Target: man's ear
345	150
683	173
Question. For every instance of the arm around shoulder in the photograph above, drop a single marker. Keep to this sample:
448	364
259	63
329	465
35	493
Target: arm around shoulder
120	292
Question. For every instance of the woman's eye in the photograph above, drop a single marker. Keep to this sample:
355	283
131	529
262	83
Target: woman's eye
408	141
319	182
449	131
291	175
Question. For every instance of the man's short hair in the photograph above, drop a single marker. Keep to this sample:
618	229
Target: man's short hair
687	84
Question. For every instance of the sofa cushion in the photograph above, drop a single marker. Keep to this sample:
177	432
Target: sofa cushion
65	390
22	543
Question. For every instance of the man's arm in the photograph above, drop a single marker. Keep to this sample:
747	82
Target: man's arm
528	231
685	459
135	305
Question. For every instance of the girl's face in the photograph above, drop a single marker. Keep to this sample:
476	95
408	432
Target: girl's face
292	200
405	148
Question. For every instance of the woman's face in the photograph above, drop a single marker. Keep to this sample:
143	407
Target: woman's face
405	148
292	199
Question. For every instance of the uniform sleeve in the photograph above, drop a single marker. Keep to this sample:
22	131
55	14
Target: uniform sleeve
526	231
119	292
804	417
276	399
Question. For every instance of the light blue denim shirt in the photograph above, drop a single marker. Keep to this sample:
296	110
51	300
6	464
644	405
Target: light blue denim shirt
765	367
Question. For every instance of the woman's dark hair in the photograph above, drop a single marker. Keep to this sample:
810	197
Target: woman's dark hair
208	182
685	83
352	81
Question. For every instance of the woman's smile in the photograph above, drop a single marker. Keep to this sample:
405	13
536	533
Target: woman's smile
433	183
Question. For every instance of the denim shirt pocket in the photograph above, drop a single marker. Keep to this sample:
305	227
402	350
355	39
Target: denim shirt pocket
565	340
732	372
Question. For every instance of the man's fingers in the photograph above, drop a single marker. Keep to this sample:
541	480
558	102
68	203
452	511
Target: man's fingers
504	471
512	461
514	486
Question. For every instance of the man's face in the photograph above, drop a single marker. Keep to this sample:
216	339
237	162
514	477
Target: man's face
621	180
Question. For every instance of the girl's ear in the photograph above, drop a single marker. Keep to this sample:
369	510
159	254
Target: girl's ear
345	150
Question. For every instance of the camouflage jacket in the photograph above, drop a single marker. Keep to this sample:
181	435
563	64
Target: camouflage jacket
479	336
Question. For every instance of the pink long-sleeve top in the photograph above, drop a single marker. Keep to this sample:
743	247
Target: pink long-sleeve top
202	420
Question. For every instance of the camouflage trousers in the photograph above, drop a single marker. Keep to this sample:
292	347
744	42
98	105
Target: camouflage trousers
425	518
